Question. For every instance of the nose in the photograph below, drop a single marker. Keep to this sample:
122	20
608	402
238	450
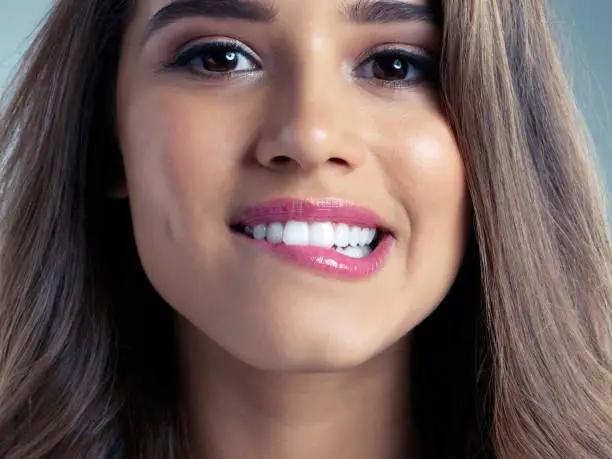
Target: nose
310	124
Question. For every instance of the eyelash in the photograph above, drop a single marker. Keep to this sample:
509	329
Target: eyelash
422	63
184	60
419	62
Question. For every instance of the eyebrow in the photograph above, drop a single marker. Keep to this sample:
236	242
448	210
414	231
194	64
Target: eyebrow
361	12
387	11
246	10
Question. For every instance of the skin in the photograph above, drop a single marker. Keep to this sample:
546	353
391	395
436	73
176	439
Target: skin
280	361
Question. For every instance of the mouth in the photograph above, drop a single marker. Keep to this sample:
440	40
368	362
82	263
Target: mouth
349	240
329	235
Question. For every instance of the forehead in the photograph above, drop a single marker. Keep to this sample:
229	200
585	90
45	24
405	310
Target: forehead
291	12
285	6
280	3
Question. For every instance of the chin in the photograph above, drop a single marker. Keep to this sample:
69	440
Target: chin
328	360
309	342
319	358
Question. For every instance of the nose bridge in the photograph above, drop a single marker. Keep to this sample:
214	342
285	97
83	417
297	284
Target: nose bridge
312	115
310	119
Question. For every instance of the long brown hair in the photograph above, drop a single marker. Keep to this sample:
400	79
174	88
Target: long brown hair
515	363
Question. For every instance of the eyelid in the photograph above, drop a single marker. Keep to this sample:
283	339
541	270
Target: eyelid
426	61
218	41
400	48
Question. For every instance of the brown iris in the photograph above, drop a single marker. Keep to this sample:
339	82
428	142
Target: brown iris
390	67
220	60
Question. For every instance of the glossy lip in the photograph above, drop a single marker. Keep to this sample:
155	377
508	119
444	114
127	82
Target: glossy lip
322	260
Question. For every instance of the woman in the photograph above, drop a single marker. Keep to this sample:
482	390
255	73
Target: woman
301	230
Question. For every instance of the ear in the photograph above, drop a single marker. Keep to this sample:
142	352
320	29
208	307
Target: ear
118	190
113	176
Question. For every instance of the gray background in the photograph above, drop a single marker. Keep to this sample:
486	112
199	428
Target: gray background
584	35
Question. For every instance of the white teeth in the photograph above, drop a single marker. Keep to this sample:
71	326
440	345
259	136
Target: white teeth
341	235
371	235
318	234
364	233
274	233
296	233
321	235
259	231
353	237
355	252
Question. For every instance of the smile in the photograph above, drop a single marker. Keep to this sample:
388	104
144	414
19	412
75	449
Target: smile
329	236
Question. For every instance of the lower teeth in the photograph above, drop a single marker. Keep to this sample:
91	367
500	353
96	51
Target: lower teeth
354	252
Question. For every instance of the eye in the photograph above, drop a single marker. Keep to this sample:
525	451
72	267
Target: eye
217	59
396	67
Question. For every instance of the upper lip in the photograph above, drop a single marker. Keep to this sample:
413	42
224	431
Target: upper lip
310	210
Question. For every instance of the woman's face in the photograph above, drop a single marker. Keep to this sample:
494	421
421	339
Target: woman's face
238	117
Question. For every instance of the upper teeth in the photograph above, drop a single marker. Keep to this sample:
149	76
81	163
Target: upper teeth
319	234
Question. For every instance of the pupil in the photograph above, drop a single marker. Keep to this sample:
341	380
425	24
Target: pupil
220	61
390	68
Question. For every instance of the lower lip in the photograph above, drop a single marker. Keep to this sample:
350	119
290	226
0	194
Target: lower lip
330	262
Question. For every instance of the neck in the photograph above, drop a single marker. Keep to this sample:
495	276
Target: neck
237	411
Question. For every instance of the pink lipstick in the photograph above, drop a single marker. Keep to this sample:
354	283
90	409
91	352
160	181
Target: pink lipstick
331	236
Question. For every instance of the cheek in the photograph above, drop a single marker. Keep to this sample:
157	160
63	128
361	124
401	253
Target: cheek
438	188
181	167
179	160
427	173
168	146
438	205
427	176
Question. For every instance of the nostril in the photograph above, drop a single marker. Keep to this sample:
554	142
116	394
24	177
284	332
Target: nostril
288	162
281	160
338	162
